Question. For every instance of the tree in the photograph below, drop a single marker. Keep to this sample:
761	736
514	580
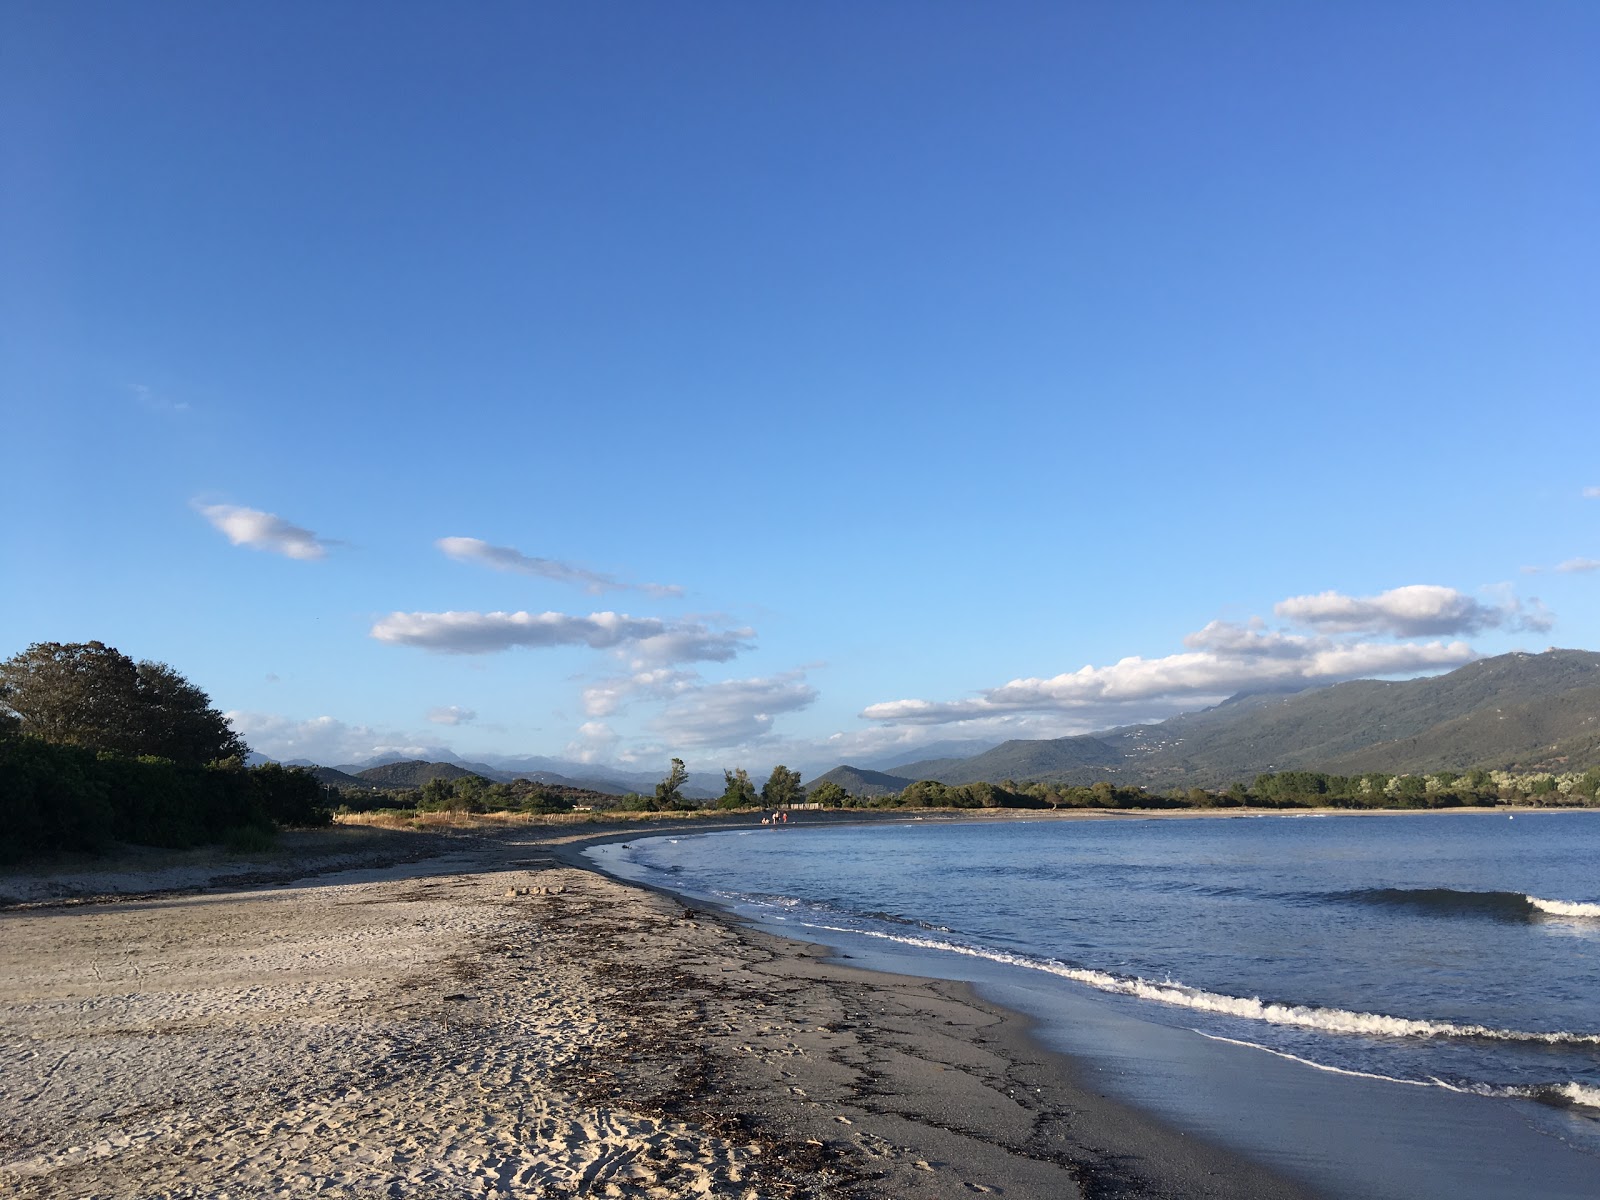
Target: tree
436	796
176	720
925	793
92	695
829	794
738	791
669	789
782	788
469	793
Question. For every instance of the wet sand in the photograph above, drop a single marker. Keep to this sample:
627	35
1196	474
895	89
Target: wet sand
497	1019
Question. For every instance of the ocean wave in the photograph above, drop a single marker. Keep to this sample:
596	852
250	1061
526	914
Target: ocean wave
1304	1016
1454	902
1563	1095
1504	906
832	908
1564	908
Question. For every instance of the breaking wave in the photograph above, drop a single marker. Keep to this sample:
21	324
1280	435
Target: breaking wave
1304	1016
1451	902
1564	908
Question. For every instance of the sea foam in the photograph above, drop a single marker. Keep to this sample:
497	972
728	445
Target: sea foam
1252	1008
1565	908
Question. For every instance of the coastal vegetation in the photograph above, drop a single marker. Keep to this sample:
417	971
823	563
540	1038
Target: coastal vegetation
96	748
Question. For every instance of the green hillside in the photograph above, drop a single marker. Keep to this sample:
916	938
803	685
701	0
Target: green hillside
861	782
1022	759
1522	712
1513	708
411	774
333	777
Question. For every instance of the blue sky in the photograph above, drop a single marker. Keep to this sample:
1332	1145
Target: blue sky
797	383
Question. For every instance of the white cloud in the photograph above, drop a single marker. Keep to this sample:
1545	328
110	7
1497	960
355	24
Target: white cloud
649	639
1591	493
326	741
690	641
606	697
733	712
1576	566
1221	659
508	558
452	714
594	742
264	531
728	713
1419	610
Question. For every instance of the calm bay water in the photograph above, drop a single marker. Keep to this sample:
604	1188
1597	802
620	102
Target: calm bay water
1455	952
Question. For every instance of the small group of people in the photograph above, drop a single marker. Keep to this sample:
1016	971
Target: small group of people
777	818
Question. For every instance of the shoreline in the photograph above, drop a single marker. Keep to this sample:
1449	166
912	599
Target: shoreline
505	1019
1109	1149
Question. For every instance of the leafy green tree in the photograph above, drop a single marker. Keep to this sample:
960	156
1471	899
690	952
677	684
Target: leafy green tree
436	796
738	791
669	792
92	695
782	787
471	793
829	794
925	793
288	795
176	720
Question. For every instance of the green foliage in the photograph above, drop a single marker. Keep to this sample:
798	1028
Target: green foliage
354	800
288	795
738	790
91	695
436	796
470	793
669	792
782	787
52	798
829	795
57	797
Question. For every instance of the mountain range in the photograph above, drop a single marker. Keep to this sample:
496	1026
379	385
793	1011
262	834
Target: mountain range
396	771
1522	712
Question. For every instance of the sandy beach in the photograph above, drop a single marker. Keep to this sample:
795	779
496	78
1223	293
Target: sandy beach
487	1016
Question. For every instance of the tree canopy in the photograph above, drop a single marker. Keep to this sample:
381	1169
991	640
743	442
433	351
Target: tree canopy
92	695
738	790
782	787
669	790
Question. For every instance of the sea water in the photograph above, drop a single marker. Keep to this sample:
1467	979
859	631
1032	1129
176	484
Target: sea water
1458	953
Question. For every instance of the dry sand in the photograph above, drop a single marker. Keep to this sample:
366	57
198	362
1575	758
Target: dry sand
501	1021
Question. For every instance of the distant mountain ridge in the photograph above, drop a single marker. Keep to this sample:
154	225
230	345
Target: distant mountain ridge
411	774
587	777
859	781
1517	711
